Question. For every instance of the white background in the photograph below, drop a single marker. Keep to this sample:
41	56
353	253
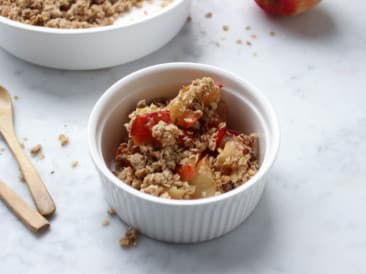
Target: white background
311	218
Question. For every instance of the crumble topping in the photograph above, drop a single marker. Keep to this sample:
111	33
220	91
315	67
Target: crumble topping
183	149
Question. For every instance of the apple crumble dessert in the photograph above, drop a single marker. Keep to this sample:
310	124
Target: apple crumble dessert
182	148
69	14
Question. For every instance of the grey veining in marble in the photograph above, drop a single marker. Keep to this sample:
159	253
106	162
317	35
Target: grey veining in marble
311	218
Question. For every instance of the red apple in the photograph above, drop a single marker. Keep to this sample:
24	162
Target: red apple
286	7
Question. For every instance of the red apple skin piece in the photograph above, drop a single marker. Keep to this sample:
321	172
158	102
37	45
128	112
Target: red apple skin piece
186	172
286	7
141	129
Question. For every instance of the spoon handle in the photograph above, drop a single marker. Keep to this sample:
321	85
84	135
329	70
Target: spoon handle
39	192
31	218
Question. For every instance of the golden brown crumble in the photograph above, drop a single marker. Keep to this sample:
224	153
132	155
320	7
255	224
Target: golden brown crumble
74	163
68	14
130	238
272	33
208	15
225	27
239	42
41	156
249	43
64	140
182	148
105	222
36	149
111	212
165	3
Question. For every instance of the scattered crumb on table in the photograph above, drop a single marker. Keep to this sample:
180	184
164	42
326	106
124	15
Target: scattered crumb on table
253	36
146	12
16	97
208	14
64	140
272	33
21	145
40	156
239	42
130	238
105	222
189	19
36	149
52	172
111	212
74	163
225	28
249	43
248	27
25	139
2	150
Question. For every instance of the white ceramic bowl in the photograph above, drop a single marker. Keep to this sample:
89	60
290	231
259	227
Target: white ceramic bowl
93	48
181	221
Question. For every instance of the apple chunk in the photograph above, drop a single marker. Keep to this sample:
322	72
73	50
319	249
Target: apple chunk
203	180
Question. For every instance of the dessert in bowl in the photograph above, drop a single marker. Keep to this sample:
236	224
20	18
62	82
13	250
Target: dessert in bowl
203	215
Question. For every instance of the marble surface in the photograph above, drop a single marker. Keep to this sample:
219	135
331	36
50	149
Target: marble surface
311	218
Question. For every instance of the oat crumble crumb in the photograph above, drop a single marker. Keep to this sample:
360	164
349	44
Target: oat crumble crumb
74	164
165	3
41	156
16	97
248	27
208	15
111	212
249	43
225	28
130	238
36	149
253	36
272	33
105	222
64	140
239	42
189	19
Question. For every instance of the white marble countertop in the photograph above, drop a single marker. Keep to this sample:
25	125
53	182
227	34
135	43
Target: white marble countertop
311	218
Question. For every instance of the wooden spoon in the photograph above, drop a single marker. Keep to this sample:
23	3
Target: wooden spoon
40	195
30	217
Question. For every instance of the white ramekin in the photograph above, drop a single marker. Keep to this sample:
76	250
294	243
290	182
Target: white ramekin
176	220
93	48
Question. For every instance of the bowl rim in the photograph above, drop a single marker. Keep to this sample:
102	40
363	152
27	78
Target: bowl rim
63	31
102	167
